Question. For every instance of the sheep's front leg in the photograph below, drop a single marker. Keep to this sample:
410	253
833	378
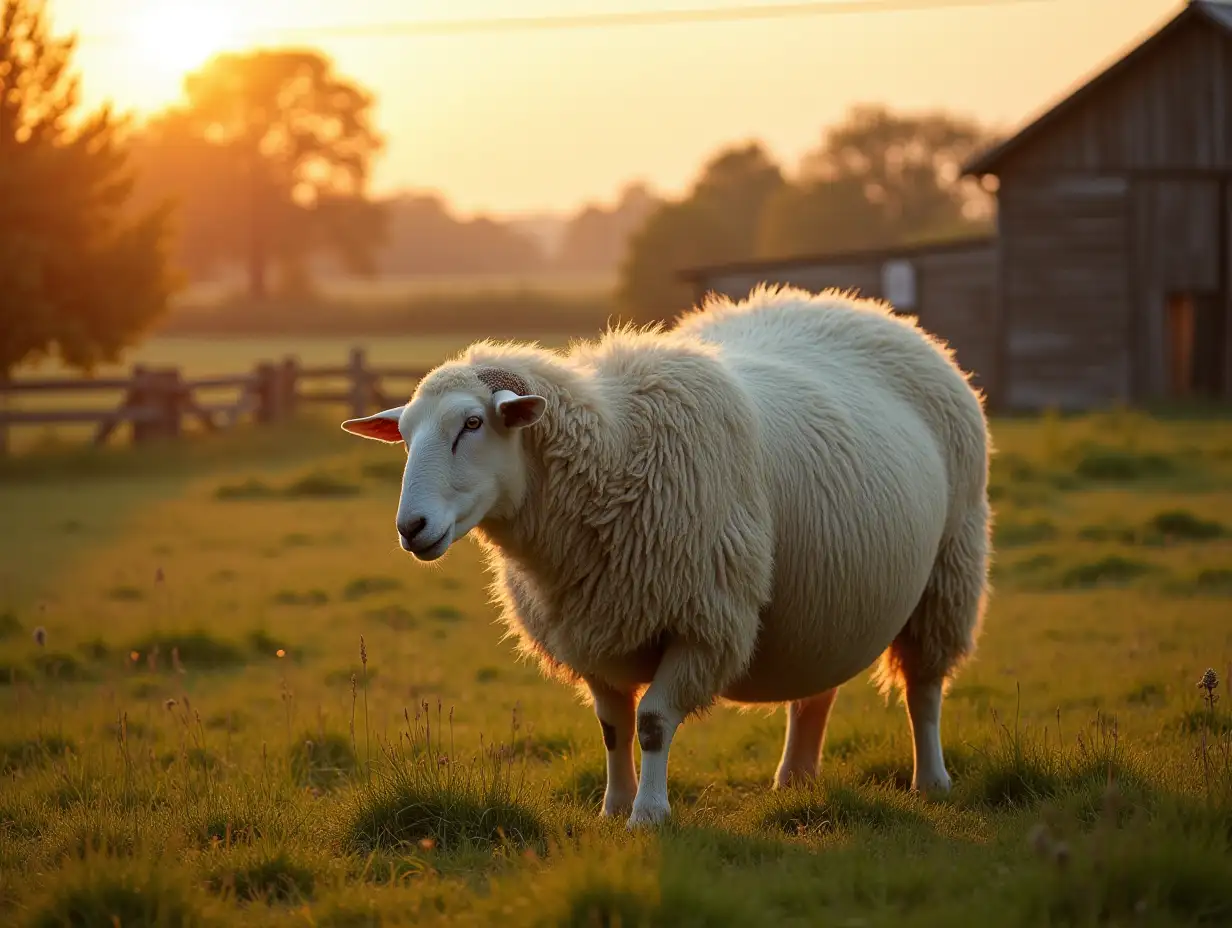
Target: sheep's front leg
684	682
615	709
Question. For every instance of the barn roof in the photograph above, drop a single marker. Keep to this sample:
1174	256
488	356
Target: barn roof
1216	12
854	256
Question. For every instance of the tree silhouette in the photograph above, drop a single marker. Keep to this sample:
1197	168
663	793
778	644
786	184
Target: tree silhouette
81	273
879	179
292	144
718	221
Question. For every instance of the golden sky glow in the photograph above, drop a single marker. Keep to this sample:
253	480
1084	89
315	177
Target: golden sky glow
172	38
525	121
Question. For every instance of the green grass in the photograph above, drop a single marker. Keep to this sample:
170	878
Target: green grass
199	740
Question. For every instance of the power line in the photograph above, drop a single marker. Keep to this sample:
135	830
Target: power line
702	15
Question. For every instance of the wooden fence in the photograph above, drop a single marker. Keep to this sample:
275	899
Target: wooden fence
157	401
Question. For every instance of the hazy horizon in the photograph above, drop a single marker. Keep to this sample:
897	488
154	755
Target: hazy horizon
526	123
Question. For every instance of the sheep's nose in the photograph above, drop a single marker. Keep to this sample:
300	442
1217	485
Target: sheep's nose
411	527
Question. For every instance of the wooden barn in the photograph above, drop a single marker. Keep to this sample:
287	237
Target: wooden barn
1108	277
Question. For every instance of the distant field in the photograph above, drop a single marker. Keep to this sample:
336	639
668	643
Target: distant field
199	356
197	736
386	289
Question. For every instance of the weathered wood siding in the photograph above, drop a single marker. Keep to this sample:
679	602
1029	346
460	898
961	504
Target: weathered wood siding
1170	110
1065	293
1225	279
958	303
955	294
1175	248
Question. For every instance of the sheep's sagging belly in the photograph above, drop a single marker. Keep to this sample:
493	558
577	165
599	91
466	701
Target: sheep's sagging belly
795	660
835	610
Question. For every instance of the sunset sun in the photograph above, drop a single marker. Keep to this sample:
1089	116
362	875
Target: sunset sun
177	37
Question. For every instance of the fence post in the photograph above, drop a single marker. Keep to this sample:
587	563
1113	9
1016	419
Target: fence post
268	394
359	383
289	384
161	394
138	399
171	393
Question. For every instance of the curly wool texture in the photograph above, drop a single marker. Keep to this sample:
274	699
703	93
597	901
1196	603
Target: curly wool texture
779	482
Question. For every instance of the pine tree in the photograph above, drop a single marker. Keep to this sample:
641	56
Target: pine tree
82	274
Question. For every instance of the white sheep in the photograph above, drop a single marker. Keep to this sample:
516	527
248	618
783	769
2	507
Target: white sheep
751	507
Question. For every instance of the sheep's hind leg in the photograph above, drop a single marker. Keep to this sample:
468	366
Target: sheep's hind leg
940	635
684	683
615	709
806	732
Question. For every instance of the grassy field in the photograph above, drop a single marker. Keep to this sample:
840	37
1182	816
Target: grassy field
227	698
501	305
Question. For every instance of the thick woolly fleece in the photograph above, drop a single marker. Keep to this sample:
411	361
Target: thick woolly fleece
768	498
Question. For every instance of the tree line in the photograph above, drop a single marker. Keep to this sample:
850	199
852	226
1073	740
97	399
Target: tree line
264	164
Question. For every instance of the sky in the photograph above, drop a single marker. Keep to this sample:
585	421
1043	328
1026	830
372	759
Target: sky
518	122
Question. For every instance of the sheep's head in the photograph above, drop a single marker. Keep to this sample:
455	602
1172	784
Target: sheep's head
462	435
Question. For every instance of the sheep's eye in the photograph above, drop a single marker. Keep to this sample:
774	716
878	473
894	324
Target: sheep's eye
472	423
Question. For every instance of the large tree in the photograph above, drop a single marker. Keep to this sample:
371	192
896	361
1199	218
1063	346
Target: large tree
274	150
878	179
82	274
717	221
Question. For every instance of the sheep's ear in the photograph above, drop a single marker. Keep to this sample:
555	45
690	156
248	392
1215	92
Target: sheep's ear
381	426
516	411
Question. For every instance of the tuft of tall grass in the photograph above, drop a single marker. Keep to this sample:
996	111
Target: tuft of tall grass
424	796
1019	768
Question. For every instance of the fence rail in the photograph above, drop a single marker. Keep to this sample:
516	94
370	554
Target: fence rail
158	400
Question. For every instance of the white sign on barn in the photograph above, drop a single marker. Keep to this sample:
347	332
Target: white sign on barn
898	284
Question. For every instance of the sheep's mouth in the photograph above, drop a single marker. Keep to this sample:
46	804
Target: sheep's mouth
431	552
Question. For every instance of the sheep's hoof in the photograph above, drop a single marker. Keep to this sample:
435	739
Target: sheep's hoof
616	805
649	814
934	785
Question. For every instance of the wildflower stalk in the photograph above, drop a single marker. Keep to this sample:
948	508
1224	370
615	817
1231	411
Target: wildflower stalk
1209	683
363	659
354	749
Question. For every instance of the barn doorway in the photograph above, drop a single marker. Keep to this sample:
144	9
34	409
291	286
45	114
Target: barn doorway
1195	344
